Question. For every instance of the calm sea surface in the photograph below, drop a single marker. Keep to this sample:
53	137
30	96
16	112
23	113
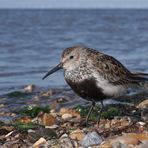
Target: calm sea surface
31	41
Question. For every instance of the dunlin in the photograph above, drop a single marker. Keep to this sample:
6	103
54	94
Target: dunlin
96	76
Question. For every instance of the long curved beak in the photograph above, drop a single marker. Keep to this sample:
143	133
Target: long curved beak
58	67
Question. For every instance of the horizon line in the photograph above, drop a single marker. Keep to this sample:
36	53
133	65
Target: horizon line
72	8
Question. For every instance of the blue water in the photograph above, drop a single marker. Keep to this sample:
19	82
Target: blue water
31	41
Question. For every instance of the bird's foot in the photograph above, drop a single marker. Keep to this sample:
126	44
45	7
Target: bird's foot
84	124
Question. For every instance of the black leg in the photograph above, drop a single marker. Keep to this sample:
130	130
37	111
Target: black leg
90	110
100	112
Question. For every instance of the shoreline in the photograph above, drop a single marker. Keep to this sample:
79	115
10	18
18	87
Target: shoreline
56	115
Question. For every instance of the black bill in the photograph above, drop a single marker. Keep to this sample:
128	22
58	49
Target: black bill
58	67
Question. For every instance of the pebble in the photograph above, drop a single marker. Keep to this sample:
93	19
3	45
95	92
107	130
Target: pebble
53	113
53	143
24	120
120	123
52	126
2	105
39	142
125	140
66	116
143	104
140	136
65	143
141	123
48	119
40	131
61	143
144	144
9	134
119	145
64	136
72	112
61	100
47	93
30	88
31	131
91	139
77	135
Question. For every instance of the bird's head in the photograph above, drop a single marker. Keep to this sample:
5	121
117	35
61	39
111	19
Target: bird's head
70	60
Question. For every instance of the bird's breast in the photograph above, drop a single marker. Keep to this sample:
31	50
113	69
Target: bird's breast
77	75
85	86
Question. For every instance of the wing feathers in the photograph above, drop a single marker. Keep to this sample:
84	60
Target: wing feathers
140	76
116	73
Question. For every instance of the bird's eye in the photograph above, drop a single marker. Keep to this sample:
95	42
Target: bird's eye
71	57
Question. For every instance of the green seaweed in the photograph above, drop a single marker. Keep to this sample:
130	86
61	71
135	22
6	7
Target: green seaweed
17	94
24	126
33	111
111	112
84	111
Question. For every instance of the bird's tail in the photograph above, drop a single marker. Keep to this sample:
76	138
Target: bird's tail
141	77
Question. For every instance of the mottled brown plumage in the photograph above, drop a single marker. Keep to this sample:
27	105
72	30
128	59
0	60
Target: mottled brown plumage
94	75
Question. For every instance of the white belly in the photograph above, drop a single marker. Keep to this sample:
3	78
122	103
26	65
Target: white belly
110	89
